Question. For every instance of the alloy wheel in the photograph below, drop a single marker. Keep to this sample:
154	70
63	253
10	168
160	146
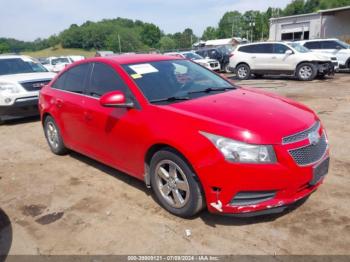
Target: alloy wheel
172	183
305	72
52	134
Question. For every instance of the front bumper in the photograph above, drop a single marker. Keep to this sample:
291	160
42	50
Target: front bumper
223	181
22	107
326	68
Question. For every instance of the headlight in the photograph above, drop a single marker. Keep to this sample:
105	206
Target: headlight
235	151
8	87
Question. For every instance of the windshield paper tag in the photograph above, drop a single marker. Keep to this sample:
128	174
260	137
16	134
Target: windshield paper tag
142	69
136	76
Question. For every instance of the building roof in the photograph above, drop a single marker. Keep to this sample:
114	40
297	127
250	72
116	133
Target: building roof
323	12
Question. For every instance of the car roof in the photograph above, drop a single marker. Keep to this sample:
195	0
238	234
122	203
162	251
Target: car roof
318	40
134	59
14	56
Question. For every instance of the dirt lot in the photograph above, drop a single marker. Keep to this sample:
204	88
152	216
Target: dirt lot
74	205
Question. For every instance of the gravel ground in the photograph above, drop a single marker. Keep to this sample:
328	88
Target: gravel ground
74	205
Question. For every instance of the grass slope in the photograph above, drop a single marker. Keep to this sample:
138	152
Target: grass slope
59	51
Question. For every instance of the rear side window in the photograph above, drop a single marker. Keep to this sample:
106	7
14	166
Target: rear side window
257	49
313	45
74	80
330	45
105	79
246	49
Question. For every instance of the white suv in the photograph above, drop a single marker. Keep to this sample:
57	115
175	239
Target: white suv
21	78
279	58
333	47
211	64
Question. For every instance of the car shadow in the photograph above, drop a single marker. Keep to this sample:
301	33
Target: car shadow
19	121
130	180
6	234
208	218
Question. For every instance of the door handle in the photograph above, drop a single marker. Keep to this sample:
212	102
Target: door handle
59	103
274	57
253	57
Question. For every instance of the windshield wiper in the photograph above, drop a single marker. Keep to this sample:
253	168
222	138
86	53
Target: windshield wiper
210	89
170	99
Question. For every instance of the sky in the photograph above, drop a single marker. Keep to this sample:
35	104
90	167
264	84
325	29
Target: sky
31	19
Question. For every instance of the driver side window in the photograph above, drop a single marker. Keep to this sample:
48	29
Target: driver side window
280	49
105	79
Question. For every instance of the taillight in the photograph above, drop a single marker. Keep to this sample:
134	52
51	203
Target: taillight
231	55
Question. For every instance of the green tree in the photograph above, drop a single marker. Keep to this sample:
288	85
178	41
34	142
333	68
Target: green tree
167	43
230	25
150	35
209	33
296	7
4	48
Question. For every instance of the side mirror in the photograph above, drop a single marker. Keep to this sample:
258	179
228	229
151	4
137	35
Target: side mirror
115	99
338	47
289	52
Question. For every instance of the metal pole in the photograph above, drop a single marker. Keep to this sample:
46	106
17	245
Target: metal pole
120	47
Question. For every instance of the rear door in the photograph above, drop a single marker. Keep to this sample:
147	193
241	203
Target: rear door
261	56
69	103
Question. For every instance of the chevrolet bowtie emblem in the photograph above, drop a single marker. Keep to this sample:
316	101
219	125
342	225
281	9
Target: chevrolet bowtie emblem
314	137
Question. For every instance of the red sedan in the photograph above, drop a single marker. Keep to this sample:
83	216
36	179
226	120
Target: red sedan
195	138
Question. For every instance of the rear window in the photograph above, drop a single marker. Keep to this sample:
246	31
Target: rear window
74	80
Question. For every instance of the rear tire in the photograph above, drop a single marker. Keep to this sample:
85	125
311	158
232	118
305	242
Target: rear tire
243	72
306	72
53	137
227	69
174	184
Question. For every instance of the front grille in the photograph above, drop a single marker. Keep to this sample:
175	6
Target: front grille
334	58
252	198
301	135
35	86
310	154
214	64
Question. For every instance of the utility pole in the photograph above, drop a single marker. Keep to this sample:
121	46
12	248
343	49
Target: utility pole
120	47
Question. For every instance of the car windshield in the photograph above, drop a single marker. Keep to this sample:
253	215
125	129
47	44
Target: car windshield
191	56
60	60
299	47
10	66
175	80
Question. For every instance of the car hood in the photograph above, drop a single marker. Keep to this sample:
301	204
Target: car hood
247	115
316	56
205	60
28	77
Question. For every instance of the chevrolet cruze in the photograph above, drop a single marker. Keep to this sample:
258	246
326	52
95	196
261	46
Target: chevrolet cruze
194	137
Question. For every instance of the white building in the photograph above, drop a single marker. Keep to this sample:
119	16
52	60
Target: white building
331	23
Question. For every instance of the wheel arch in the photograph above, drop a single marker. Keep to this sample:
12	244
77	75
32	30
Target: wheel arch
163	146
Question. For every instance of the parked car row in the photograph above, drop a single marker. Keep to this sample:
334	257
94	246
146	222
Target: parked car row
290	58
56	64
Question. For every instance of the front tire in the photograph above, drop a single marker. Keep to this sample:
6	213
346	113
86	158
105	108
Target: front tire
53	136
175	185
243	72
227	69
306	72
